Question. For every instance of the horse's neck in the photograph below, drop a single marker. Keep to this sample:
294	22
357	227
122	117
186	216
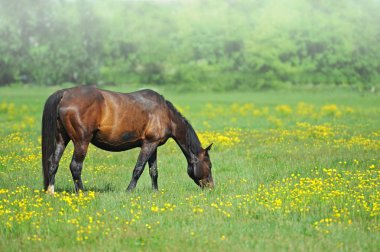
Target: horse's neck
180	135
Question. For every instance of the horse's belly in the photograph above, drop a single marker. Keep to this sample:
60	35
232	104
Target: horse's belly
114	144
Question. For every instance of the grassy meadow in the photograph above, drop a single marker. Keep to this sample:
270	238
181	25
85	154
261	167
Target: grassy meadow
294	171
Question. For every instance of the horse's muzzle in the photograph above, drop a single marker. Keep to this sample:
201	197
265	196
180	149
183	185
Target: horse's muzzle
206	183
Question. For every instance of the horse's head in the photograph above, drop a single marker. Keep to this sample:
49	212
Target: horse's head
200	168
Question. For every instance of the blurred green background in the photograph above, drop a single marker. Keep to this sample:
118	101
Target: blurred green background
196	44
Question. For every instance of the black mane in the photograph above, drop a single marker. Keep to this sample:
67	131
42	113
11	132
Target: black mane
192	140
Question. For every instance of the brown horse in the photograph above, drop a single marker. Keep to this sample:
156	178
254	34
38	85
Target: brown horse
116	122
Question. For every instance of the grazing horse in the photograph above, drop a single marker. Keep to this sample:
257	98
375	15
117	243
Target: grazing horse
117	122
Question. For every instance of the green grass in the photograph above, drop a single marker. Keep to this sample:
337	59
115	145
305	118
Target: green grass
280	172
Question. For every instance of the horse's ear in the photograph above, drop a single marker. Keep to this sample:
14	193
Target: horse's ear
208	148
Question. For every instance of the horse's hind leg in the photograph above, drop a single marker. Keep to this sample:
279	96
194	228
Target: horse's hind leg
61	142
76	165
153	170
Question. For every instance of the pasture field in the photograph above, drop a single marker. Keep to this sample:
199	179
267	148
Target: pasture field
294	171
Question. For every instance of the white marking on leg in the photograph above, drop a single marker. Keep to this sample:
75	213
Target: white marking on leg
50	189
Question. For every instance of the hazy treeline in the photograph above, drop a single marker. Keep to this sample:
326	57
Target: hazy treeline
219	44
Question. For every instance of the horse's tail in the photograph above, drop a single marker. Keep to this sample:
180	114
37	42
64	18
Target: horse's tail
49	126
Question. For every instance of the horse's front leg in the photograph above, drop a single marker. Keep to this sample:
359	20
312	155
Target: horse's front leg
146	152
153	170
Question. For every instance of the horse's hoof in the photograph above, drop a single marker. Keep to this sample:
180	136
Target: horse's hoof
129	190
50	190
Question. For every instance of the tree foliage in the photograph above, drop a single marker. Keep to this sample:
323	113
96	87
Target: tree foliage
220	44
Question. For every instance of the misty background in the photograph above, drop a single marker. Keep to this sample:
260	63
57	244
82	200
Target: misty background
195	44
